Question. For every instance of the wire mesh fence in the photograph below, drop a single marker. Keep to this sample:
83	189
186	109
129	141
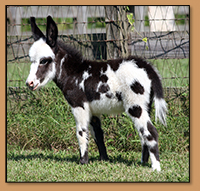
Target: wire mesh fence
103	32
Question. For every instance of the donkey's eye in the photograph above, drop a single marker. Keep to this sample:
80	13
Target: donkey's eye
45	60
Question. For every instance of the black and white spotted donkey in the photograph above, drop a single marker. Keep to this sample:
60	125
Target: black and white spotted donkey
93	88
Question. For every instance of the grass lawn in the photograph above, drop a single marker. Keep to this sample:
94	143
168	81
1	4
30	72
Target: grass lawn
62	166
174	72
42	145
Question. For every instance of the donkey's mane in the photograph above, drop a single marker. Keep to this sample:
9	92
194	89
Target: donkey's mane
70	51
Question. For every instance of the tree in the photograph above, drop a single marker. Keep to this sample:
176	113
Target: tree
116	31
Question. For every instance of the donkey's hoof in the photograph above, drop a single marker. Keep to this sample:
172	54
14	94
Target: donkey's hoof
84	160
156	167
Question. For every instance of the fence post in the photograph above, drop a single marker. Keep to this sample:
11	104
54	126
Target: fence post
161	18
139	18
14	14
82	19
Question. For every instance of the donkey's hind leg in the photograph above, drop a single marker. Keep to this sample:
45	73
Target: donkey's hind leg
97	134
145	154
148	135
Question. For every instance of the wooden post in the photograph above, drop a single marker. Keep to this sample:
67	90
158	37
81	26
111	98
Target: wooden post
123	32
14	14
82	19
161	18
112	34
116	31
139	18
18	21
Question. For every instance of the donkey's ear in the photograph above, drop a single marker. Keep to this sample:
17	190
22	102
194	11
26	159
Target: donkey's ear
37	33
52	32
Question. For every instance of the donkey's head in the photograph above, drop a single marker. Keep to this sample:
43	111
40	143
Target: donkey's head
41	54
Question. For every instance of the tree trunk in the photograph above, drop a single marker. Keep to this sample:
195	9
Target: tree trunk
116	31
123	32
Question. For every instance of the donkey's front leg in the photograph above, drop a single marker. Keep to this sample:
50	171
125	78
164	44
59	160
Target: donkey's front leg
82	117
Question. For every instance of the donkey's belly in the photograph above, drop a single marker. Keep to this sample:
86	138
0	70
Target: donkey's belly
106	106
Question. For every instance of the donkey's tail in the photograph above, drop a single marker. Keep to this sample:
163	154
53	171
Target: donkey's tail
160	104
160	110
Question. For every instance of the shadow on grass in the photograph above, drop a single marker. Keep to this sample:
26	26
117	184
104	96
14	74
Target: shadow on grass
118	158
51	156
129	162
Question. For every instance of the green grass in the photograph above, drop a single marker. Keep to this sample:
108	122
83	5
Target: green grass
62	166
42	143
175	72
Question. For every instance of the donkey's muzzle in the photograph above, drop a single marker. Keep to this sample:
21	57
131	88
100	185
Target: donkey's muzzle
31	85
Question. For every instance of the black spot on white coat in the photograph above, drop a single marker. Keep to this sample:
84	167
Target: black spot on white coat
103	88
104	78
80	133
109	95
119	96
137	87
135	111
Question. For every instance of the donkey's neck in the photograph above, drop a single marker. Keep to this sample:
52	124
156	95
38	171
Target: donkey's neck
60	72
68	63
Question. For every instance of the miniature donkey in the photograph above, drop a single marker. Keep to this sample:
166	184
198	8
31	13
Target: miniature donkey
93	88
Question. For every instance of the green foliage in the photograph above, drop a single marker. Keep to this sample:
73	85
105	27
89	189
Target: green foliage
145	39
131	20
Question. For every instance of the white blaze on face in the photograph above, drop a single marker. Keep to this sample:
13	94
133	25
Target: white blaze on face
39	50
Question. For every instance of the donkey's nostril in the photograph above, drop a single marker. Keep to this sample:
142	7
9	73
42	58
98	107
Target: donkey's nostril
30	84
